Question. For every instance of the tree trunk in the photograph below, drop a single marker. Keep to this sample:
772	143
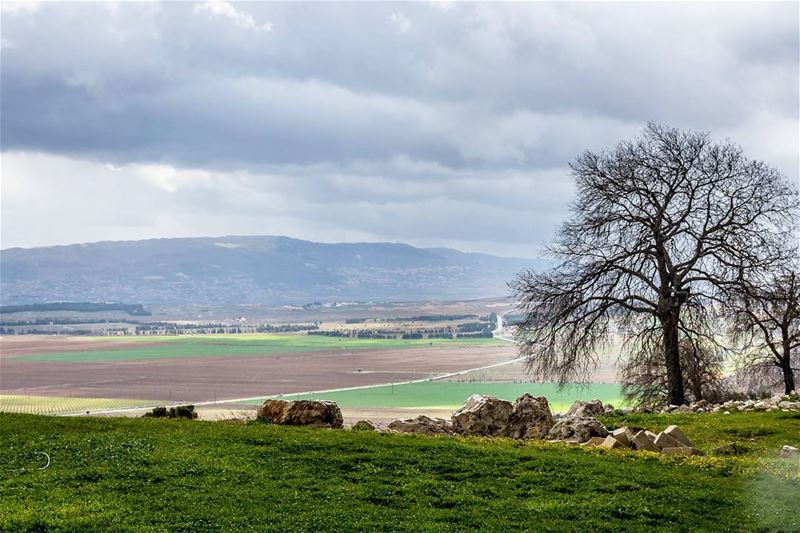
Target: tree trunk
669	324
788	374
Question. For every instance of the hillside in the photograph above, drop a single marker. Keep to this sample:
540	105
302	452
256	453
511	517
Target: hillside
174	475
264	269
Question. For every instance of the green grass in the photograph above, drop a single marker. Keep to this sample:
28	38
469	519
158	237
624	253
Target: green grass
447	394
170	475
171	347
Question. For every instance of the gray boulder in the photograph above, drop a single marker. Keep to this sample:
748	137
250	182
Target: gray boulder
577	429
365	425
663	440
676	433
317	413
623	435
422	425
612	443
644	442
483	415
531	418
582	408
789	451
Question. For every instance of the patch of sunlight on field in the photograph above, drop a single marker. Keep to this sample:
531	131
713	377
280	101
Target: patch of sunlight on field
451	395
57	405
169	347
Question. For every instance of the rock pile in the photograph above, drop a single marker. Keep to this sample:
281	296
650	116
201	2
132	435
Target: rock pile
779	402
671	441
528	418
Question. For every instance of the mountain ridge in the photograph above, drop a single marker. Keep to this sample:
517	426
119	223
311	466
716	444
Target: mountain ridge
249	269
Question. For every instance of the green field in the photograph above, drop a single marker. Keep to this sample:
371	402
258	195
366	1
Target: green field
174	475
448	394
56	405
171	347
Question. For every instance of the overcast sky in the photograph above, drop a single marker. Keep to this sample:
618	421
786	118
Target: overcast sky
431	123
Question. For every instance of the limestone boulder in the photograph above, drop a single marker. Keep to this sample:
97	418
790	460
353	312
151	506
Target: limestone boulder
664	440
483	415
530	418
577	429
365	425
317	413
623	435
594	441
422	425
789	452
584	409
676	433
644	442
612	443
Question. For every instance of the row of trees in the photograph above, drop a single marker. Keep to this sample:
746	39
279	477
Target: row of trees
673	239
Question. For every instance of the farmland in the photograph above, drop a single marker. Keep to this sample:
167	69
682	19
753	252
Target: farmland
57	405
173	347
219	367
391	376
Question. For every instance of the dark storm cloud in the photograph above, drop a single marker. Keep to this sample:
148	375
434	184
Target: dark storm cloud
422	122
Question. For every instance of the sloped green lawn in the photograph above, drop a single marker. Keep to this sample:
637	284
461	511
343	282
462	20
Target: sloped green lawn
171	475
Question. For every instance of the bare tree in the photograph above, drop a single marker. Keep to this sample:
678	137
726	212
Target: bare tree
658	226
766	316
645	383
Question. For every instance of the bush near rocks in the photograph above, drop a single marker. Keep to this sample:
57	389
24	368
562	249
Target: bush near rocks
178	411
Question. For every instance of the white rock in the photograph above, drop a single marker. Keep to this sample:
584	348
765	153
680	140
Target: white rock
789	451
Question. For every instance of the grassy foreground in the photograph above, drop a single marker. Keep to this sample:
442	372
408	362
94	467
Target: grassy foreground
172	475
188	346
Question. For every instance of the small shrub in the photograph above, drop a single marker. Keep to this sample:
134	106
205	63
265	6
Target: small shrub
179	411
157	412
